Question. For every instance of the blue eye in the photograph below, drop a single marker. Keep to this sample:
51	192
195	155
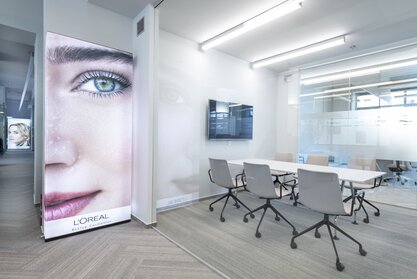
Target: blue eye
101	83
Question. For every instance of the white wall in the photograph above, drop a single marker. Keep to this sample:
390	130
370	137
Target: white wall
144	57
187	79
28	16
287	113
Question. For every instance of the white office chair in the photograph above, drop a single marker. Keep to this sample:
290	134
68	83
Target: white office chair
314	159
259	182
317	159
219	174
320	191
359	188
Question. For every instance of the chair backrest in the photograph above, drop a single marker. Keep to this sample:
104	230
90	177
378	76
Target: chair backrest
284	157
362	163
408	166
259	181
320	191
220	173
318	159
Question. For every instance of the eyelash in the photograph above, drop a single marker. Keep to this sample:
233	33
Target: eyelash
122	83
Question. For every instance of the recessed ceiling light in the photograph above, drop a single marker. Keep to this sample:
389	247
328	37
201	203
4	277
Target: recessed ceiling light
256	21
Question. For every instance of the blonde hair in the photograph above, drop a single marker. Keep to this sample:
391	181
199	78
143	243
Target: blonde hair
24	131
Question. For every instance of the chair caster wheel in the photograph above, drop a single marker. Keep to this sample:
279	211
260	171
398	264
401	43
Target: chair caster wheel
340	266
366	220
252	216
245	220
237	206
291	198
211	208
277	218
294	232
258	234
335	237
222	219
317	234
362	252
293	245
377	213
355	223
294	203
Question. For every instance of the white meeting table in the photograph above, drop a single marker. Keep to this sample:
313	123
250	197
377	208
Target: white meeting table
345	174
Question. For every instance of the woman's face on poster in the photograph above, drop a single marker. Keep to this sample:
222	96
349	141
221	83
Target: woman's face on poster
88	114
15	136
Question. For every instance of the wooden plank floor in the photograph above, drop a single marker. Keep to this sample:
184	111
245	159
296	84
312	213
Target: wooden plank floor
123	251
390	240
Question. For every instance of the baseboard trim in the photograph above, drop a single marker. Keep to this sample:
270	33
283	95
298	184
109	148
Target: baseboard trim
148	226
182	204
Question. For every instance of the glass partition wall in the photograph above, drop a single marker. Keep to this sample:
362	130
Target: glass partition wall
366	107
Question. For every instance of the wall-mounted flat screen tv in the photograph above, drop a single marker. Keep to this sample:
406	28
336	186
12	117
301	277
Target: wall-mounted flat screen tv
229	121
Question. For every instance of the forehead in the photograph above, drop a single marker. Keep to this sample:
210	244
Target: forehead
55	40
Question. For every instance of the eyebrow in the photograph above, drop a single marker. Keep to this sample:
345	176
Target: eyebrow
67	54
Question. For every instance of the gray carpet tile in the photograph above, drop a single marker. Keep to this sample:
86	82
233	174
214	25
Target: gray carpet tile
128	250
390	240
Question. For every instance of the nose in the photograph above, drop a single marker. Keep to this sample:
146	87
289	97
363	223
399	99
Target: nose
60	152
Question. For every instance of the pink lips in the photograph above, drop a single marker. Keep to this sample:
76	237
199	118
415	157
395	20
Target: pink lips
63	205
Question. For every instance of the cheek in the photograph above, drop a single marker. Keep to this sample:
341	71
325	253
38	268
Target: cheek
104	135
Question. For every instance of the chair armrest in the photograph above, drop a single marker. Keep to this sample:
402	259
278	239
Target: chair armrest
240	176
352	194
377	181
209	173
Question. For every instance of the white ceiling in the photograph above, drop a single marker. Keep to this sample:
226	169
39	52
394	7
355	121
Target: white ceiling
129	8
366	23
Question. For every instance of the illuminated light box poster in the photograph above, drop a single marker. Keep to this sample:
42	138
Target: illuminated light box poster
88	136
18	133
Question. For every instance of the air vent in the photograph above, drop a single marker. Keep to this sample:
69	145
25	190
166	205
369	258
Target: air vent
140	26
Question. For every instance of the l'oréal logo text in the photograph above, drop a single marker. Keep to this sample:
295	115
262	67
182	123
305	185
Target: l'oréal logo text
85	220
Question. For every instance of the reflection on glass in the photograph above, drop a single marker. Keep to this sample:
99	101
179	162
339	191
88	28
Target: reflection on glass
373	115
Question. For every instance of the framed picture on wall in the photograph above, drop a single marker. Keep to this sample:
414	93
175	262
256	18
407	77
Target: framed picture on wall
18	133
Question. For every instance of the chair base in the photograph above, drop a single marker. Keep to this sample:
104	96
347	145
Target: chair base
329	224
227	196
361	198
287	184
277	217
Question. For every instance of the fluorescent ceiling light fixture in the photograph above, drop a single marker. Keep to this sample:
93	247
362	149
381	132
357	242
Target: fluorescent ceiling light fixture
332	96
384	83
234	105
256	21
358	72
299	52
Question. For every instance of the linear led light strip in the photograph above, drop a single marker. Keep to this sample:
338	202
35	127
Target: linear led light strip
332	96
299	52
384	83
261	19
358	72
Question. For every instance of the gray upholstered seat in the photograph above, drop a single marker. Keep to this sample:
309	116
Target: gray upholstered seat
320	191
259	182
219	174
